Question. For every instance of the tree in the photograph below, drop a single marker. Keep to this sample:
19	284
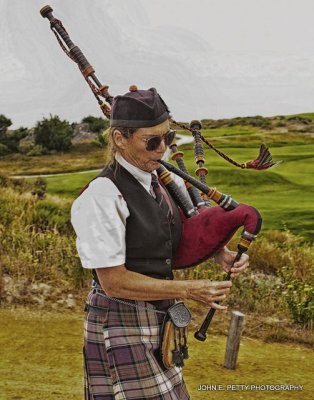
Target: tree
10	140
4	124
96	124
53	133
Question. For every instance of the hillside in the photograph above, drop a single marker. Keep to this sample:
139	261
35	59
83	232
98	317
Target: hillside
283	194
42	284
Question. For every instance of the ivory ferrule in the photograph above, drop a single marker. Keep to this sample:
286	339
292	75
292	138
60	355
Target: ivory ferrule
201	171
176	155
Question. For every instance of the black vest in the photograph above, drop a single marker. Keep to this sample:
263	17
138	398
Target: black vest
151	240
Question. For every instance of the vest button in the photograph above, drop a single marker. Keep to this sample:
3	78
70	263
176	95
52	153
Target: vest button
168	261
168	243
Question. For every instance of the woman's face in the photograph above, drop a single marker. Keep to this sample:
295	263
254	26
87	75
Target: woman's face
133	149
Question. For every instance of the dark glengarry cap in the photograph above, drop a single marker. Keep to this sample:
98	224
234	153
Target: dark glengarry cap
139	109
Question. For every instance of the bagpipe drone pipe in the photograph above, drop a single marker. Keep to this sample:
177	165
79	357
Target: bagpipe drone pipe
206	228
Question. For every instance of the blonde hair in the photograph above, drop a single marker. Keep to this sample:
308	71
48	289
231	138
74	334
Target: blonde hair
113	149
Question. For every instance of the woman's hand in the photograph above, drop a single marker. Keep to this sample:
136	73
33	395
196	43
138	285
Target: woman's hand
209	292
226	257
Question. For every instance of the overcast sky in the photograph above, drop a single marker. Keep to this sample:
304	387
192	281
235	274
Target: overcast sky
207	58
276	27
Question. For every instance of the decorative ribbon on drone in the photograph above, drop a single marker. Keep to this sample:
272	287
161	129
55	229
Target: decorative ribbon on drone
263	161
205	229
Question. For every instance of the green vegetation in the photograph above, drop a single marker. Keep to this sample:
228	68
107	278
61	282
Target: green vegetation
53	134
9	140
307	116
69	185
43	360
96	124
38	229
277	294
36	219
37	241
81	157
283	195
99	126
259	363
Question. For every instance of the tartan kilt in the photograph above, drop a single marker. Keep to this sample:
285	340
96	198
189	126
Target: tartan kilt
121	354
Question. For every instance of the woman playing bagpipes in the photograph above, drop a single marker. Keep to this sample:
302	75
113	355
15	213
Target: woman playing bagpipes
135	223
128	231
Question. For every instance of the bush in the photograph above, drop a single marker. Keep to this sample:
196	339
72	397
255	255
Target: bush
37	150
37	242
19	185
53	134
95	124
299	295
288	257
4	149
48	215
280	279
4	125
9	140
40	188
26	146
4	181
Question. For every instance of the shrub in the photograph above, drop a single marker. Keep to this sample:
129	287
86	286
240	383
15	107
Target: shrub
4	149
4	125
281	279
37	243
37	150
40	187
13	138
49	215
95	124
53	134
26	146
20	185
299	294
9	140
288	257
4	181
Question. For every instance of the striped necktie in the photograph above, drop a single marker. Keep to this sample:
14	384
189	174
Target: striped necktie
160	198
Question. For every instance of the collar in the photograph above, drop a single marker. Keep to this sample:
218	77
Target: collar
142	176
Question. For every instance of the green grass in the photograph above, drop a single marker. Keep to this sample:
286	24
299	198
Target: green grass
41	359
68	185
284	195
309	116
258	363
40	355
237	130
83	156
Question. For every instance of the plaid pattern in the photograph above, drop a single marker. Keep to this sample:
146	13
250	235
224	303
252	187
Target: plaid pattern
121	354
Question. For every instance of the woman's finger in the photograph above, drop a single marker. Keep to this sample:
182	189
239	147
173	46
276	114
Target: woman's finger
218	306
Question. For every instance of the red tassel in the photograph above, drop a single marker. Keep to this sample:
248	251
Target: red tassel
263	161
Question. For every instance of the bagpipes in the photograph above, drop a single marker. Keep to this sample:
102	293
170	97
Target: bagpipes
206	229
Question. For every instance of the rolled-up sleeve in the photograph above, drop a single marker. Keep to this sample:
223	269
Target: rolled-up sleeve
99	217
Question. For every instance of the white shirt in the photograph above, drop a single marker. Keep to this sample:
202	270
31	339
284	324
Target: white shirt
99	218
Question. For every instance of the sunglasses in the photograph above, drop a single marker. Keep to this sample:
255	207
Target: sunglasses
154	142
